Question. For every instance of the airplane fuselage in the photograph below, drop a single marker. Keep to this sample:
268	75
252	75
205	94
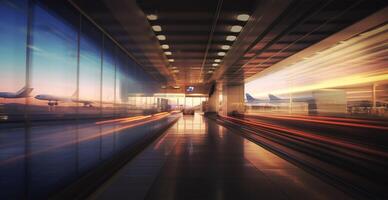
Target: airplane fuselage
10	95
53	100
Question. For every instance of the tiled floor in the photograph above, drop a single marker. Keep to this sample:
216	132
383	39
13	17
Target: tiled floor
199	159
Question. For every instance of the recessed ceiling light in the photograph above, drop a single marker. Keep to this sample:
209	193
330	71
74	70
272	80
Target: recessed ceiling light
161	37
225	47
231	38
221	53
243	17
171	60
175	71
168	53
152	17
236	28
215	64
165	46
217	60
157	28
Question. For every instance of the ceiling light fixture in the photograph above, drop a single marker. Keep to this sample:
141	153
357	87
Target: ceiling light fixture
165	46
152	17
171	60
157	28
231	38
215	64
221	53
236	28
243	17
217	60
225	47
161	37
168	53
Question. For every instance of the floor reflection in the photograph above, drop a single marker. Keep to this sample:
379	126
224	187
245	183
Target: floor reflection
38	160
199	159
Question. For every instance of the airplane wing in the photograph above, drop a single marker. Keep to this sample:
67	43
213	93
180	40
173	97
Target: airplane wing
86	103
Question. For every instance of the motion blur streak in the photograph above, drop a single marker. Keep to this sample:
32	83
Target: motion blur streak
126	119
91	137
120	120
162	113
359	60
306	119
319	117
311	136
338	82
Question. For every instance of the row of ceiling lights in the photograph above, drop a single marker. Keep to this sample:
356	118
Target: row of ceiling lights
234	29
231	38
160	37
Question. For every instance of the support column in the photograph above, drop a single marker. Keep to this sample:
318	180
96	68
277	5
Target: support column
234	99
214	100
374	96
227	99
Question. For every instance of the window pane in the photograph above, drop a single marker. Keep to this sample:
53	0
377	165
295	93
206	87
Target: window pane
13	28
90	69
122	83
108	78
54	65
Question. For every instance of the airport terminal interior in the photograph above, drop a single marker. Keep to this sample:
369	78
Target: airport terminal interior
193	99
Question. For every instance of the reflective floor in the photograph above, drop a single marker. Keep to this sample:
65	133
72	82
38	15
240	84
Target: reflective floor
199	159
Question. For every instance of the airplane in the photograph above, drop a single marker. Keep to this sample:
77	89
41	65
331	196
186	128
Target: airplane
53	100
22	93
252	100
275	99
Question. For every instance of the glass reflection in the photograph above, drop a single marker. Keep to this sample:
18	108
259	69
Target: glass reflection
13	36
108	78
90	69
53	64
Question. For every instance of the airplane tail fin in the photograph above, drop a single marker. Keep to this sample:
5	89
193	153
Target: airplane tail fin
273	97
249	97
75	94
24	92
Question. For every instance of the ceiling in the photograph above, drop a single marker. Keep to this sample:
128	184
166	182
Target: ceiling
198	41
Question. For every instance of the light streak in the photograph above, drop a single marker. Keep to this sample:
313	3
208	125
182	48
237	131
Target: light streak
333	83
88	138
359	61
310	136
125	119
119	120
320	120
